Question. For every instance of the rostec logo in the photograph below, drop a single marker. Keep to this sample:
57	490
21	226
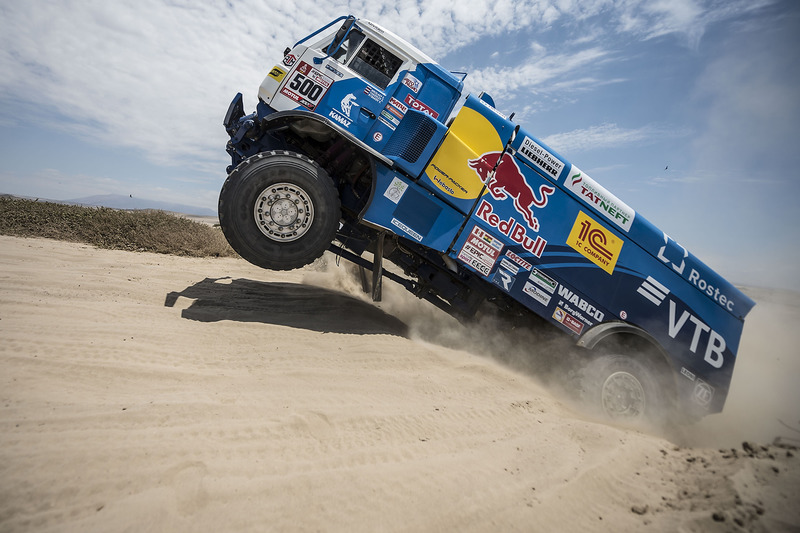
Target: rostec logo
508	180
594	242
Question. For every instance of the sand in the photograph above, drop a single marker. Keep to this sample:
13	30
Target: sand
144	392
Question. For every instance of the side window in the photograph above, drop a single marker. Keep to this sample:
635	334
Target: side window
376	63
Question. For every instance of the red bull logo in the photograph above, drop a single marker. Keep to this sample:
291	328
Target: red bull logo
508	180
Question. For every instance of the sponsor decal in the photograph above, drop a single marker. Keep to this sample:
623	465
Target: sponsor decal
536	293
594	242
688	374
412	83
277	73
341	119
406	229
347	104
662	254
714	343
710	290
673	254
395	190
391	118
495	111
397	105
387	123
653	290
512	229
600	199
703	393
377	136
413	103
504	279
448	186
289	60
508	180
623	315
559	315
332	69
518	260
541	158
374	93
581	306
307	86
508	265
543	280
480	251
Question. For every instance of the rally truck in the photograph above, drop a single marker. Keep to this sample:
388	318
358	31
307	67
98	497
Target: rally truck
363	145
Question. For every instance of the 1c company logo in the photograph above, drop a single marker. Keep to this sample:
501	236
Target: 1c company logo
595	242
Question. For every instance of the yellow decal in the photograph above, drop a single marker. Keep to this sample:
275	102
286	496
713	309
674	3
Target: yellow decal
277	73
595	242
470	136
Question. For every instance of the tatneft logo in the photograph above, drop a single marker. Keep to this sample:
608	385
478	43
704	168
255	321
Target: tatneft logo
600	199
594	242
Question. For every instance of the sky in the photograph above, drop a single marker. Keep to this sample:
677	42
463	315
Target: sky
687	110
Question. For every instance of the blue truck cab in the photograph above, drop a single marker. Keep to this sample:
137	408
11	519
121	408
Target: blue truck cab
363	145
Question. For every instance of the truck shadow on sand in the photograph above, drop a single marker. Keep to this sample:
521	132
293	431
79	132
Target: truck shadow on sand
283	304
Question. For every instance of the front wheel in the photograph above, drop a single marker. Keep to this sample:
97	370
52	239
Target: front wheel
279	210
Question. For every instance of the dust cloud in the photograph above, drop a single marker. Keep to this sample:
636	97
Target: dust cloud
764	399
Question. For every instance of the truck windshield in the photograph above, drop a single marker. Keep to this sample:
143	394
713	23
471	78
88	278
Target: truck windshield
376	63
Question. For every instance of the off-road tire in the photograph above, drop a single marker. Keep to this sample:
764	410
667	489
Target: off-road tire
625	389
279	210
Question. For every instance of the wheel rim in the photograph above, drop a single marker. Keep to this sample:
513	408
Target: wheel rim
283	212
623	396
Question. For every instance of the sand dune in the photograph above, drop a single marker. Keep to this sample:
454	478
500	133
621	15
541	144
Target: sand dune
143	392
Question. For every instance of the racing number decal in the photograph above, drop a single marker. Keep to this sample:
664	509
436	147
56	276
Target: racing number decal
307	86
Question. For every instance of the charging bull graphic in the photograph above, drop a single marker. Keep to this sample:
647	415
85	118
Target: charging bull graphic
509	181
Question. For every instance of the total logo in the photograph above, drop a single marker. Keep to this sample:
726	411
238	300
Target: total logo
595	242
413	103
505	179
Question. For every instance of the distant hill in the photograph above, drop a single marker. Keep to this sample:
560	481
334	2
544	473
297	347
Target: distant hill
117	201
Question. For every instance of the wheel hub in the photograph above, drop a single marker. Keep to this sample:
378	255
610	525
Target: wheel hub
283	212
623	396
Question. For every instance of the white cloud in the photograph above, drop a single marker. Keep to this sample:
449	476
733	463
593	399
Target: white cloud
157	76
609	136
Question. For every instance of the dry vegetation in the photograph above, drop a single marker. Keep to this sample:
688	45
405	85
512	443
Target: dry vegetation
141	231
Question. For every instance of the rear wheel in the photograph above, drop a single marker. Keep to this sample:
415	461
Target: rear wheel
625	389
279	210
